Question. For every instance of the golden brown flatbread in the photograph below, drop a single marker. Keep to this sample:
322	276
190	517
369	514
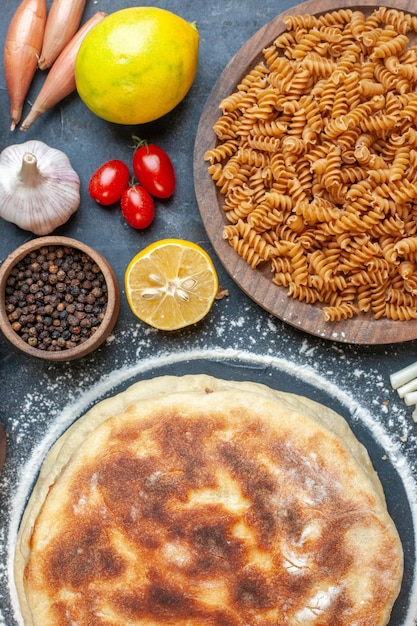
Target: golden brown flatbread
198	501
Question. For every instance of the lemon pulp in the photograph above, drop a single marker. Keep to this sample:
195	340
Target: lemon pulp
171	284
137	64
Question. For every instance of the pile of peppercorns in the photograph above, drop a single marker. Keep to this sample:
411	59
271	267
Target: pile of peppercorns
56	298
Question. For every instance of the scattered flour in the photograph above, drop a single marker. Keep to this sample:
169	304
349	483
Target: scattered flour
140	369
268	351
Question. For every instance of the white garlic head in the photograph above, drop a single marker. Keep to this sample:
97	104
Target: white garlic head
39	189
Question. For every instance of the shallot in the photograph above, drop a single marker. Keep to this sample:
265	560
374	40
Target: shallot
60	80
39	189
21	52
63	20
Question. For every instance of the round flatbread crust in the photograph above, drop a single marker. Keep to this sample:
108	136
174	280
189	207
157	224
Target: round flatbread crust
194	500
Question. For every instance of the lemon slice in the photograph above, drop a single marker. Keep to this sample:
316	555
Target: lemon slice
171	284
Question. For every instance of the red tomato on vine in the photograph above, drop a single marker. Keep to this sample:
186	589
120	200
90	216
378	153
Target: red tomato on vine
108	182
137	207
153	168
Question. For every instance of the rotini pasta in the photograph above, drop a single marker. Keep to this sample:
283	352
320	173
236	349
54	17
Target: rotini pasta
316	157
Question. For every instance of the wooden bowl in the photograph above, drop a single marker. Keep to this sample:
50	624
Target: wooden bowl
257	283
91	340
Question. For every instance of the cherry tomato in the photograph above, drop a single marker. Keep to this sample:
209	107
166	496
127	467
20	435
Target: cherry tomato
109	181
154	170
137	207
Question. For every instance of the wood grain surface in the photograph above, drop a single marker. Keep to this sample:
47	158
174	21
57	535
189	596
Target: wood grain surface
257	284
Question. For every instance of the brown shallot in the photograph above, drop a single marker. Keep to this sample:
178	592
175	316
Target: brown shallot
63	20
60	80
21	52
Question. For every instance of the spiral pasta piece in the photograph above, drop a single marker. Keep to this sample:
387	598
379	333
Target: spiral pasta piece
401	298
303	293
221	151
406	245
399	164
401	22
392	47
318	210
357	24
400	312
264	218
296	22
340	312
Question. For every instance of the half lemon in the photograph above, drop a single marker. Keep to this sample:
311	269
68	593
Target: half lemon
171	284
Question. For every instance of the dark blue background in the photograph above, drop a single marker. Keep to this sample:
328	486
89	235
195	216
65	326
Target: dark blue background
33	392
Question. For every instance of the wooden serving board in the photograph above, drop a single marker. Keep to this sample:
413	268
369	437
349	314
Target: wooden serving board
257	284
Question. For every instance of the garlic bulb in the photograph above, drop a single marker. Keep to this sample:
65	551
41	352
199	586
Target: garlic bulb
39	189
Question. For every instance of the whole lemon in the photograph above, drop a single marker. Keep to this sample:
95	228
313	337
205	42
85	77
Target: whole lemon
137	64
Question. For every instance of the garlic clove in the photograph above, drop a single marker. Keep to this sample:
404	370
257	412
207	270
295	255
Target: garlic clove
39	189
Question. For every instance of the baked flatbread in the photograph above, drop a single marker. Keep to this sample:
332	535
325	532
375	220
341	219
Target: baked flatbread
198	501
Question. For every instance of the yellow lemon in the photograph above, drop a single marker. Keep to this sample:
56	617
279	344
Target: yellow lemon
171	284
137	64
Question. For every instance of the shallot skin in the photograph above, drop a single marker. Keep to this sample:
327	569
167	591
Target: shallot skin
21	52
63	20
60	80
